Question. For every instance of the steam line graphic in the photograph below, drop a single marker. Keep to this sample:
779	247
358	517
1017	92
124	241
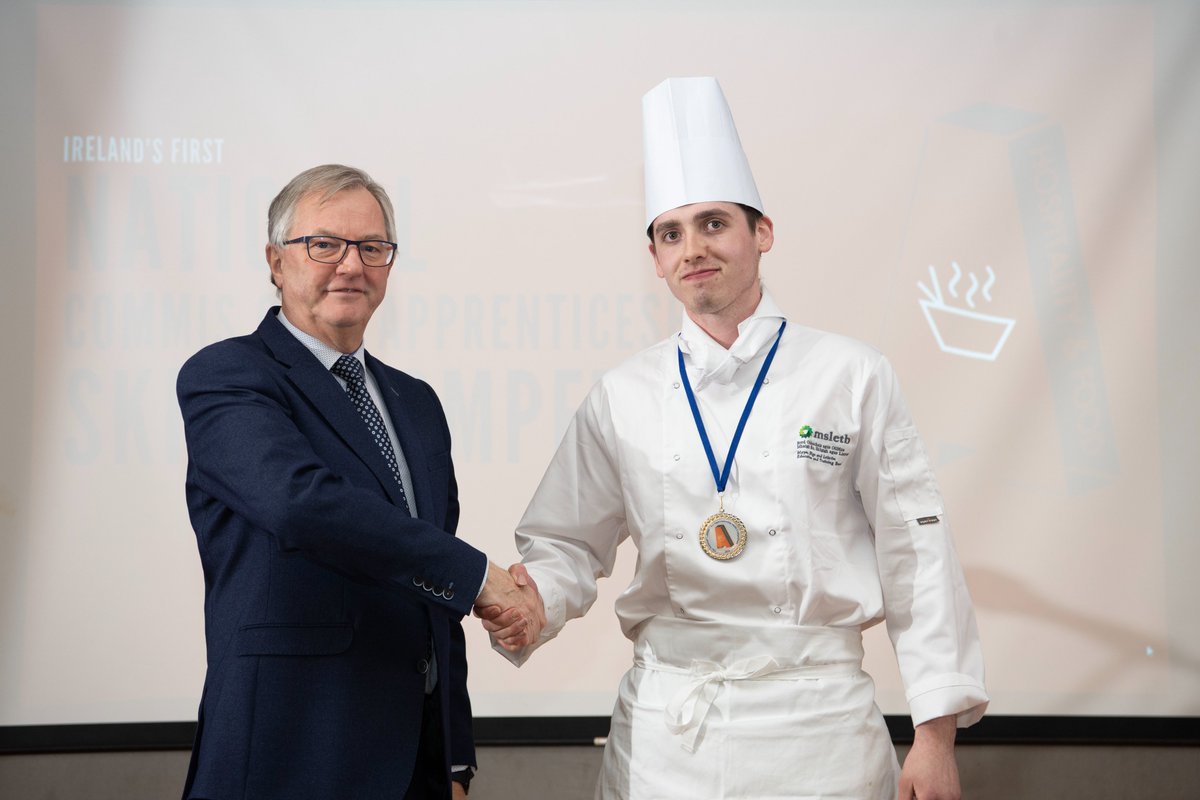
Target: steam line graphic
964	331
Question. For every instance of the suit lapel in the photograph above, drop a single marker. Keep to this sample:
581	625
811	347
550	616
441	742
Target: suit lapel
407	434
321	389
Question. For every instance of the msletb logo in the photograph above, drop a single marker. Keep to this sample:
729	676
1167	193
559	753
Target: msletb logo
808	432
812	446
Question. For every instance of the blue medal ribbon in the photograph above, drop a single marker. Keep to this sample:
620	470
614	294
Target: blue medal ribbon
722	477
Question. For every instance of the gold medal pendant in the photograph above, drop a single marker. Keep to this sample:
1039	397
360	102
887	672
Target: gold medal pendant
723	536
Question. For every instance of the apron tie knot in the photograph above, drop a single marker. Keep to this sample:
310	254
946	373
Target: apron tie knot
686	712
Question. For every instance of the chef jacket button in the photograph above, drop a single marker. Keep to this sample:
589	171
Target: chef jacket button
675	384
766	453
677	456
771	532
766	381
778	609
679	536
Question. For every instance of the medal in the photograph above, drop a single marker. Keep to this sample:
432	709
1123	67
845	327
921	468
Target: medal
723	536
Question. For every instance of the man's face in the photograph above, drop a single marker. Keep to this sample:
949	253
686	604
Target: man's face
332	302
709	256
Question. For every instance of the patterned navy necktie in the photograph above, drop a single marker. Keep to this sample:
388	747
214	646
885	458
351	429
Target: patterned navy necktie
350	370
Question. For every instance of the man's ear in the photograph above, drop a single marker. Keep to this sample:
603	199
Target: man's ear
275	263
764	232
654	255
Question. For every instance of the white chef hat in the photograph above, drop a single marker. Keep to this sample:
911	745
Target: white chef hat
691	148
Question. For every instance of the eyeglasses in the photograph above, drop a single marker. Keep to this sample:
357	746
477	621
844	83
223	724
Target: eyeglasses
333	249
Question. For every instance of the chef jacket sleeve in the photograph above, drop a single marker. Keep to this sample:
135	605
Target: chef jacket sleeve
929	616
569	534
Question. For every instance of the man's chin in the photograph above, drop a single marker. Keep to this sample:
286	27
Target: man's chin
704	304
347	317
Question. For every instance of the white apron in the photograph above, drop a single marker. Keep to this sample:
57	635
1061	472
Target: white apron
712	710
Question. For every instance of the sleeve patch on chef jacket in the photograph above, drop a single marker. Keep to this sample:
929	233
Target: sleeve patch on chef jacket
928	520
916	491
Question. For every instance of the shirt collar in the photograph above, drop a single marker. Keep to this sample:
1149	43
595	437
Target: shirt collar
327	355
755	333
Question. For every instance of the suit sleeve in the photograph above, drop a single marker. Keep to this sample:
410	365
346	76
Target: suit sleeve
248	456
929	615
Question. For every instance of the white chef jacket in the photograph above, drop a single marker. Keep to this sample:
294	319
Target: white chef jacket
845	520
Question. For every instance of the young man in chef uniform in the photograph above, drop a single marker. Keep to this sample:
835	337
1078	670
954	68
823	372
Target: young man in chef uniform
781	502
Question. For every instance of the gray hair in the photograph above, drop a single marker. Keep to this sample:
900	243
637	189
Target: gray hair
328	180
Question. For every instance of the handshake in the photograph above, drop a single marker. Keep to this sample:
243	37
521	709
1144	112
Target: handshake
511	607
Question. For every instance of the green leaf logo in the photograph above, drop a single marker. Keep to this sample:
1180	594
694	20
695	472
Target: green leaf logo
806	432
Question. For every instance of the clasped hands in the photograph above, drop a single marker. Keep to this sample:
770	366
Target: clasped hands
511	607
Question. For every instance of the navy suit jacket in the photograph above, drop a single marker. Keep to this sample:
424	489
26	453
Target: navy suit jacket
321	594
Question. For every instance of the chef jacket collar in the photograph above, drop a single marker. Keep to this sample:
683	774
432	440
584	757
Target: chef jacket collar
755	333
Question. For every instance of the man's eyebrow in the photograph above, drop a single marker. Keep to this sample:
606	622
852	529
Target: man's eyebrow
323	231
709	213
699	216
664	225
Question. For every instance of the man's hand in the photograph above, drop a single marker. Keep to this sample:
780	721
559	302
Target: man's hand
511	607
930	771
457	791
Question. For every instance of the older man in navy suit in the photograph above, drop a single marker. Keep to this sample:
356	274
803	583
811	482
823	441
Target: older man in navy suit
322	493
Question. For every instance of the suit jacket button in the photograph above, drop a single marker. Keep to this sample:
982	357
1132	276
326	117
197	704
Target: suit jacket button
423	666
449	595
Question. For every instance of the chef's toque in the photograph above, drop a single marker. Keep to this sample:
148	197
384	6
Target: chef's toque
691	148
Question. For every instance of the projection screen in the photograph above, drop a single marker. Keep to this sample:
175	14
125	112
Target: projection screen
1001	197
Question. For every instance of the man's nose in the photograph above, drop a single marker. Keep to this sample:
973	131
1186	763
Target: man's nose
694	247
352	261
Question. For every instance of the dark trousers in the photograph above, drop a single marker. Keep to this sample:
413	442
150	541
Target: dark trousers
431	777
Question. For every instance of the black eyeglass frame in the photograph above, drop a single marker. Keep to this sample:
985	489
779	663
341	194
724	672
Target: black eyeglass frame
346	249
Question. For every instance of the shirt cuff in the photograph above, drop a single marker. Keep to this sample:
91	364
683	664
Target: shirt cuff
552	598
483	583
960	695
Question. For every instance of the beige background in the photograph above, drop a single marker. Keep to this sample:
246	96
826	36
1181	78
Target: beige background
883	137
